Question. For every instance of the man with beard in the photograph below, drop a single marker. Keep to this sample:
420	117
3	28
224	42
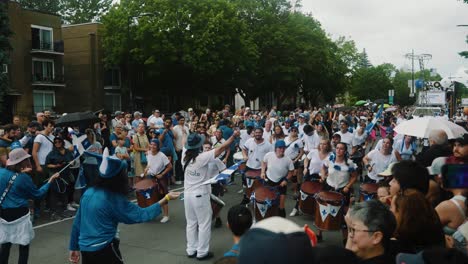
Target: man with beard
254	150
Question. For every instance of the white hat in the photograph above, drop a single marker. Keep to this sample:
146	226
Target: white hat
16	156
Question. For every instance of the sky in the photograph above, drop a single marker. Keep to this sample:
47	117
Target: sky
389	29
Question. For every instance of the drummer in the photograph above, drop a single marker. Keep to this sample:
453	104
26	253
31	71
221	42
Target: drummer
295	150
339	174
313	163
158	167
277	169
253	152
377	161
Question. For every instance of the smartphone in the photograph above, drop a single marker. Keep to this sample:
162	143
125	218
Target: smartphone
455	176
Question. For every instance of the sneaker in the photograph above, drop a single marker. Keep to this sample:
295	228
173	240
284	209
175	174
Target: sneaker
207	256
70	208
75	205
293	212
241	191
55	217
178	182
165	219
192	255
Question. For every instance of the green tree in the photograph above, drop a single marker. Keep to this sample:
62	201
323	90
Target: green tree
83	11
364	61
5	48
52	6
371	83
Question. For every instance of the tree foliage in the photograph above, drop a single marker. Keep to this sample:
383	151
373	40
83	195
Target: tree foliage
83	11
248	46
71	11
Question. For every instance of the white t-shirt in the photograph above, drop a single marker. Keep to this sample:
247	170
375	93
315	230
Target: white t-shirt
267	135
346	138
285	131
180	136
156	163
311	142
45	148
379	163
293	147
215	167
359	139
243	137
197	172
157	122
216	144
339	178
256	152
277	168
315	163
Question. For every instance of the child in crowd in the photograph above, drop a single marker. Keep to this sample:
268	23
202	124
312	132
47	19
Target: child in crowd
383	193
239	221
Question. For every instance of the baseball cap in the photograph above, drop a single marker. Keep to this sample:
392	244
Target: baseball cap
280	144
190	109
463	140
118	113
436	166
156	111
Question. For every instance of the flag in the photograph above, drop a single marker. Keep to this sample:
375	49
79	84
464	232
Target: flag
224	175
377	116
78	145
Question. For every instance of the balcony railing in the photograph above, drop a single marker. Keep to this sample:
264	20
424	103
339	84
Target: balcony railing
47	46
47	79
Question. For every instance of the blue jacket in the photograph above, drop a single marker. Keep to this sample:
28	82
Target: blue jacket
99	213
21	191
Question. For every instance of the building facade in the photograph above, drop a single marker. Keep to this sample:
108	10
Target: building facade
36	69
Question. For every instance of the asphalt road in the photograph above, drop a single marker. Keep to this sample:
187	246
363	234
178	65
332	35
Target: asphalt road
150	242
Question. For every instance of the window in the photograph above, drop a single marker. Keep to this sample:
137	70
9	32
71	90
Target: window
5	68
112	102
42	37
43	100
43	70
112	78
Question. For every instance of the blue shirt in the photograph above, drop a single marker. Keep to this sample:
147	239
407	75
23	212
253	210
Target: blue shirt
99	214
168	142
234	252
227	133
21	191
112	137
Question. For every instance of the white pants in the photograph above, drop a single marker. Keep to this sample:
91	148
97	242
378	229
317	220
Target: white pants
198	215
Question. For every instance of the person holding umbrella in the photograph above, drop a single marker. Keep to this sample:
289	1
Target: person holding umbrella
17	187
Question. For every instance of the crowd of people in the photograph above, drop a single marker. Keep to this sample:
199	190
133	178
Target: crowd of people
411	212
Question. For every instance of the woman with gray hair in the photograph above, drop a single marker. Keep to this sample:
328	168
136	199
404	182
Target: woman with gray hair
370	226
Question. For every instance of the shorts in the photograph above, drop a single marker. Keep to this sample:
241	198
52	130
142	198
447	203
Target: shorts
281	190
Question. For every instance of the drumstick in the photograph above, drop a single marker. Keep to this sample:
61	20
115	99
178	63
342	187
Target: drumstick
69	163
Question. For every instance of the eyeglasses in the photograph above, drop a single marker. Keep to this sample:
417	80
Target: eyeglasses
352	230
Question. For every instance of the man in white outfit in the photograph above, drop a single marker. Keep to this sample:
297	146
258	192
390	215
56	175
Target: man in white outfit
197	195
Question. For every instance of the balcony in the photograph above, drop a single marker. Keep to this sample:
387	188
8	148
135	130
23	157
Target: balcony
48	80
47	47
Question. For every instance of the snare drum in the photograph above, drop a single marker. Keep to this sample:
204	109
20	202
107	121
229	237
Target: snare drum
216	205
251	177
266	203
368	191
307	199
329	211
147	192
237	158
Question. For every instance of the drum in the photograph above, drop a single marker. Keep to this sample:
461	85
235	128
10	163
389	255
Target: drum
329	210
251	177
266	203
147	192
237	158
368	191
307	199
216	205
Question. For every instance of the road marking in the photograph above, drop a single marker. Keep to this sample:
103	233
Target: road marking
63	220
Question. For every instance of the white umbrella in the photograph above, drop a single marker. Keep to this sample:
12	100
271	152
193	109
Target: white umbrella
421	127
